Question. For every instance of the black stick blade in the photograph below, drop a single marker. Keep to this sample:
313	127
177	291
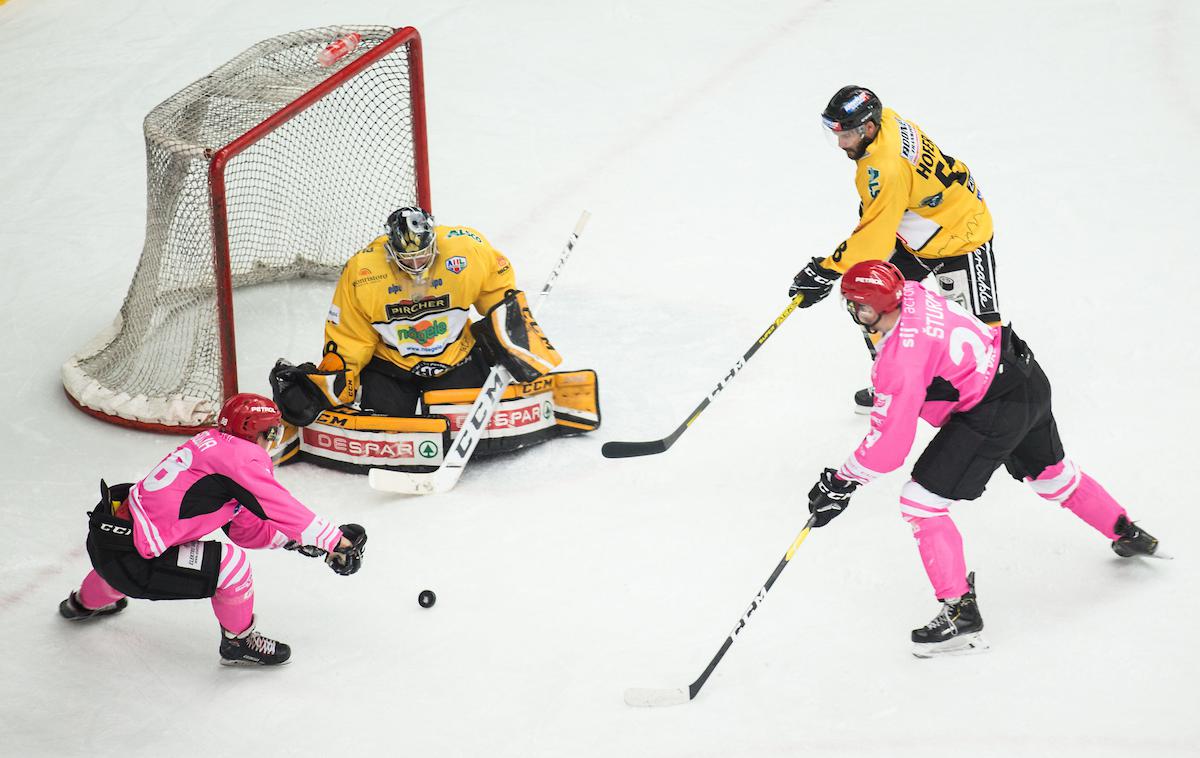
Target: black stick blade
633	449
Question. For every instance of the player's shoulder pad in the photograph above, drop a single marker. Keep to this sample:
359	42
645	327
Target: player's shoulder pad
460	235
369	264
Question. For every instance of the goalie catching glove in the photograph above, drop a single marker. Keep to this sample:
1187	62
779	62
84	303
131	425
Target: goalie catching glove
303	392
510	337
347	560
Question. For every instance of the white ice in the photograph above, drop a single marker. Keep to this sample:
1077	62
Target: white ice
690	131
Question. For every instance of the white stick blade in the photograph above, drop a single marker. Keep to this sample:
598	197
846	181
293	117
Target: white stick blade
642	697
404	483
582	222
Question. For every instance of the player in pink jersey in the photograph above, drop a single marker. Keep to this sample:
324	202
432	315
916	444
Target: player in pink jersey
982	387
144	539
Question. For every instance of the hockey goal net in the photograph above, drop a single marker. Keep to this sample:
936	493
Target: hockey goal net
272	167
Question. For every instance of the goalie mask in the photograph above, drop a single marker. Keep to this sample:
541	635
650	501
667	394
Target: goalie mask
411	240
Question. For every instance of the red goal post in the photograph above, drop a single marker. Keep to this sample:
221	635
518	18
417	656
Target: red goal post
273	167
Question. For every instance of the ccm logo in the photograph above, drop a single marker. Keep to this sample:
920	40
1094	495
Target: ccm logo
115	529
359	447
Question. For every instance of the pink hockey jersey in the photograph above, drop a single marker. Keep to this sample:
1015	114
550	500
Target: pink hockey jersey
213	480
937	360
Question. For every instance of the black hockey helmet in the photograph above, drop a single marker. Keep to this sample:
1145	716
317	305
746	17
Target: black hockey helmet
410	239
851	107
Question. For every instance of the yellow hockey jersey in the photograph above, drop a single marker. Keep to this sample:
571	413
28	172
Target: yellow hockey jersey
420	325
912	192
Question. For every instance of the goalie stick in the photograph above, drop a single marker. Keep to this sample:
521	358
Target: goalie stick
645	697
477	418
653	447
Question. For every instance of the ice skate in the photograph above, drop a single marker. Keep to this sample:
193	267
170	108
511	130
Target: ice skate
1133	540
864	400
956	630
72	610
252	649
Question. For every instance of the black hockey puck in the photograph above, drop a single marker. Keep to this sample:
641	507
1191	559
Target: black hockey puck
426	599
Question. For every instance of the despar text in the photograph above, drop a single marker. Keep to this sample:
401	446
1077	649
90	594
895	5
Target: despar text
504	418
477	419
349	446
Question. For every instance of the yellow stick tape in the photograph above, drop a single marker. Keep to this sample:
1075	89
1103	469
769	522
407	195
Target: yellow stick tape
795	545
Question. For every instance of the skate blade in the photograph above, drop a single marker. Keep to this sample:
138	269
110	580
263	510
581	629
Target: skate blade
861	411
967	644
247	664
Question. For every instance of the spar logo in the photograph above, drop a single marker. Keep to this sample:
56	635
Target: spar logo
506	418
456	264
423	332
368	448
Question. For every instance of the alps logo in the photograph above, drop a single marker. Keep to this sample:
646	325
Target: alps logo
456	265
463	233
410	310
873	182
932	201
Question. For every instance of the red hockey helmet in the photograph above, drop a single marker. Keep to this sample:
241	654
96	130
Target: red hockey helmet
878	285
247	415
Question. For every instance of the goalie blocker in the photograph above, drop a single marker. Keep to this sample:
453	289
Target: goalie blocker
558	404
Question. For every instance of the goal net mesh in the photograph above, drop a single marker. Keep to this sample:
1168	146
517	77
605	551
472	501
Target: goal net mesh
301	196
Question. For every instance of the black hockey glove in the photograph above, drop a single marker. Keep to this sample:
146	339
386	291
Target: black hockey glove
829	497
815	281
347	560
309	551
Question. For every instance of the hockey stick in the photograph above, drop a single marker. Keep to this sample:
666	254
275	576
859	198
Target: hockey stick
641	696
477	418
653	447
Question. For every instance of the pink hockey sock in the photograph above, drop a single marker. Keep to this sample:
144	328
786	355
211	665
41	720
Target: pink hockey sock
96	593
233	602
938	539
1079	493
941	550
1095	506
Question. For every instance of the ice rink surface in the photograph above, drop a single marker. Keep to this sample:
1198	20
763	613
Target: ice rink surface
690	131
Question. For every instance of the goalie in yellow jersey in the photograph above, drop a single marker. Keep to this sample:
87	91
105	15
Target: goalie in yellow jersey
920	208
403	360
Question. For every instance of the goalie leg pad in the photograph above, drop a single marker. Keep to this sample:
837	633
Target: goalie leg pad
285	450
355	441
561	403
576	400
